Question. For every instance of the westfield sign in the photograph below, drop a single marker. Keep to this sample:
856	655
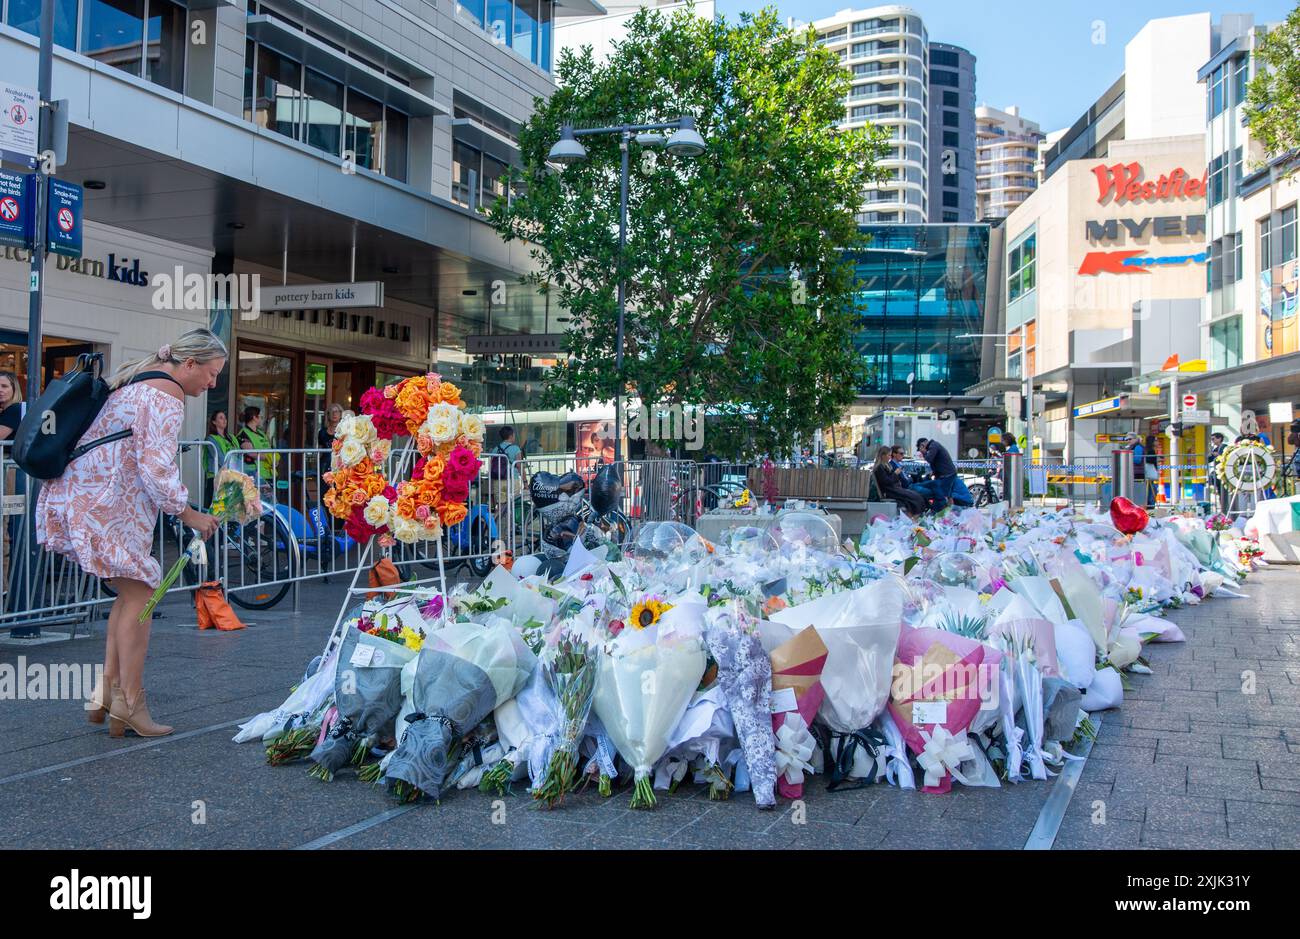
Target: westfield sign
1123	182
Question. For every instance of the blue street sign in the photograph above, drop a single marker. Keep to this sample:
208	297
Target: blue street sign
15	210
64	224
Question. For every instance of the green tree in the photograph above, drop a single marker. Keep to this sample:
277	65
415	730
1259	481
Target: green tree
739	296
1273	96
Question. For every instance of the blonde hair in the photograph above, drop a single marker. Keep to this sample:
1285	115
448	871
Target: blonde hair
201	345
882	456
14	384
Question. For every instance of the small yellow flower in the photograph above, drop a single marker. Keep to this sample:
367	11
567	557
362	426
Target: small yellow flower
647	612
411	639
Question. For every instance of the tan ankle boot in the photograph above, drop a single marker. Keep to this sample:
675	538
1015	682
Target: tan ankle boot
101	699
133	713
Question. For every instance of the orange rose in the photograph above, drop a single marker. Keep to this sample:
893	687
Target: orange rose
375	485
452	513
406	507
450	394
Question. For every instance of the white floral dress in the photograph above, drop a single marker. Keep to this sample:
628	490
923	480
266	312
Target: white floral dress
101	511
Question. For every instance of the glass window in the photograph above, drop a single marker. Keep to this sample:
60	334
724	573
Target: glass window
1021	273
167	40
498	21
250	60
544	24
112	32
26	15
278	103
323	113
1286	228
1240	79
524	40
464	161
395	144
1265	244
495	174
474	8
952	99
365	124
951	119
940	76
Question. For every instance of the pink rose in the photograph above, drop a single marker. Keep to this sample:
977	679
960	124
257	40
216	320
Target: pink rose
463	463
422	512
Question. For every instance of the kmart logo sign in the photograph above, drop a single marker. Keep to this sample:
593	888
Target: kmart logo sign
1135	261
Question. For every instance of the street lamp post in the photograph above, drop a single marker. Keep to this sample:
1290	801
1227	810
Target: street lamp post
685	141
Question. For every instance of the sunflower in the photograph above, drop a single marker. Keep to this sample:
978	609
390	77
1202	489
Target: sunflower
647	612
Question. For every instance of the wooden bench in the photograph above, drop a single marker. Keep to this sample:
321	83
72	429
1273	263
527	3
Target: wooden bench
849	493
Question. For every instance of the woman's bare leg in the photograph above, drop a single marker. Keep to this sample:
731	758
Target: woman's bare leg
131	640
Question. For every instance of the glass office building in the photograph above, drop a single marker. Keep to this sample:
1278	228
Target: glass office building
921	287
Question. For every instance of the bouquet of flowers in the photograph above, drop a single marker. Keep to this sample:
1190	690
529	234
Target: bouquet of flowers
570	668
463	673
1218	522
367	692
644	683
234	499
745	675
797	693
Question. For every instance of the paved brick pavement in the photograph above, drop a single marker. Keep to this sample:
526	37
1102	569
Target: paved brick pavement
1191	760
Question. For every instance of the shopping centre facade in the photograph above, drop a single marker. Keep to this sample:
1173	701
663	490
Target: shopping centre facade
322	142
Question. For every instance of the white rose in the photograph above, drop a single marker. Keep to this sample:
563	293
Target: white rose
379	450
377	511
443	423
471	425
352	452
347	427
431	532
406	530
365	429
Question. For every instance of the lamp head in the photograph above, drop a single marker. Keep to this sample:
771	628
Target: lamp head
686	140
567	150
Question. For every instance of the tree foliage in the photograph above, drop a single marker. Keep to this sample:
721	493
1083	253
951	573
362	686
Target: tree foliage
1273	96
739	295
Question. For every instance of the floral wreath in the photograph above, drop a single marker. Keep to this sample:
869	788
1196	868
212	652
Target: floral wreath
449	442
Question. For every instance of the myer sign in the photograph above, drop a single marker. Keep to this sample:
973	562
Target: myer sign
368	293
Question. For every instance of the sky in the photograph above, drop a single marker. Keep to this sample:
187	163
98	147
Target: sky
1044	57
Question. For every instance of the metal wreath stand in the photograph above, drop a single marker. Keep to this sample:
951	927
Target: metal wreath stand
403	465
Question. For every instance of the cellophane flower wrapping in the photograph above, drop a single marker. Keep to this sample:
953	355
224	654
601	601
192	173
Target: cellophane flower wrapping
935	697
464	672
797	693
570	664
303	701
643	686
704	733
860	630
367	693
745	675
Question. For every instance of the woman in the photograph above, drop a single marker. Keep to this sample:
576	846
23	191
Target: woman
214	455
891	485
11	405
101	512
325	436
250	437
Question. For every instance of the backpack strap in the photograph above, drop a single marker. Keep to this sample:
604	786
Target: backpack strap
147	376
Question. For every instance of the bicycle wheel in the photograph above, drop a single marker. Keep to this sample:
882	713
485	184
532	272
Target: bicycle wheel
257	554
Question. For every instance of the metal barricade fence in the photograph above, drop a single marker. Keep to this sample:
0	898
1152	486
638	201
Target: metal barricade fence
50	589
650	493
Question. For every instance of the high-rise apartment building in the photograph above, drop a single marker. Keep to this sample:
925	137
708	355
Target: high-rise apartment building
952	133
886	49
1006	149
923	94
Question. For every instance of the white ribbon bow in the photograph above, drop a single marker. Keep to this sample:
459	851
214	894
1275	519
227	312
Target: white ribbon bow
794	748
198	552
943	754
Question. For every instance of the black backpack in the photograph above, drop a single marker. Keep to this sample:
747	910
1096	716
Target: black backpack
499	463
70	405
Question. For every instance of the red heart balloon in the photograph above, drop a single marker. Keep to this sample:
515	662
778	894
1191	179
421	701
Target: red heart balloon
1127	516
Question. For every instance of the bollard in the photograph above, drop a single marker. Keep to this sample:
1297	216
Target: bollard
1013	479
1121	474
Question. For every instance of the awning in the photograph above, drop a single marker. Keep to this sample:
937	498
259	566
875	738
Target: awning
1121	405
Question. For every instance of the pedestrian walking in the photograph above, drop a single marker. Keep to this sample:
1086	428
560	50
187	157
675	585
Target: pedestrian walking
101	512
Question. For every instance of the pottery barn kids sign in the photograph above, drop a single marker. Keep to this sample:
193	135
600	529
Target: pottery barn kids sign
369	293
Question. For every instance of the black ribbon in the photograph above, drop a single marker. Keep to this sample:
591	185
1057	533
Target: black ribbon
441	718
840	750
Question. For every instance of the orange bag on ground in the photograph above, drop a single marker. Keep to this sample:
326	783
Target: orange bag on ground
214	612
384	574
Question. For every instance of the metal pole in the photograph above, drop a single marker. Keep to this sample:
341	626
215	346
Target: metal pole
1121	474
36	290
1175	403
1013	475
624	137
